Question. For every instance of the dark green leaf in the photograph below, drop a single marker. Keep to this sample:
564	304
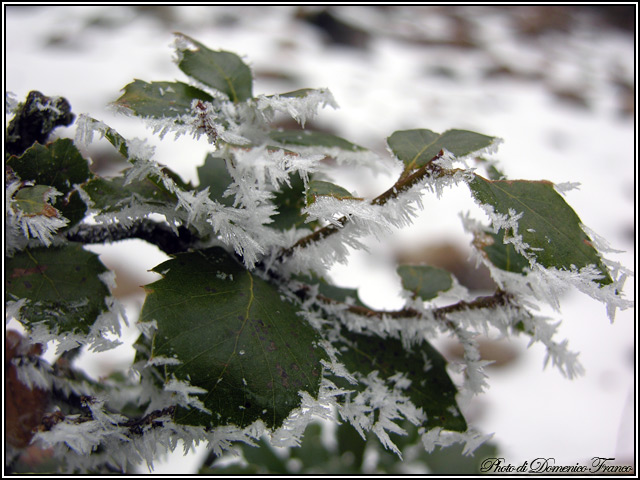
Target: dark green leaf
214	174
308	138
450	460
112	195
236	338
61	284
548	225
503	256
416	148
224	71
331	291
312	452
58	164
318	188
425	281
265	458
160	99
431	388
290	200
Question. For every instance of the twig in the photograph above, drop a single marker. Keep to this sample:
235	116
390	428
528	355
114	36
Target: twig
406	181
158	234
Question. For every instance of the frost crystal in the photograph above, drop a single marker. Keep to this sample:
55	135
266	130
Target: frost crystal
184	392
10	103
42	227
299	108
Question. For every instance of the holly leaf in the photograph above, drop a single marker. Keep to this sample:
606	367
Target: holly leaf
309	138
62	285
425	281
431	388
549	227
416	148
160	99
235	337
221	70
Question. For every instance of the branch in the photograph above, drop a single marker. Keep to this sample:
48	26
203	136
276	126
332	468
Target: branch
404	183
158	234
500	298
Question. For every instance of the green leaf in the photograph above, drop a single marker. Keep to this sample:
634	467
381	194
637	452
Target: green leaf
431	388
318	188
548	224
416	148
160	99
112	195
301	93
61	284
214	174
308	138
223	71
325	288
425	281
451	460
58	164
503	256
112	136
290	200
236	338
32	201
264	457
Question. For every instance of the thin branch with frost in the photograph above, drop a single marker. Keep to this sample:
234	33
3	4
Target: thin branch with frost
429	171
158	234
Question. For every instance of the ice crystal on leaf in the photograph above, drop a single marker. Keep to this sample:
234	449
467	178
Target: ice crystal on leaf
300	108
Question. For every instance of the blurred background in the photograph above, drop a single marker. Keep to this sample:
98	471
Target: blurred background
557	83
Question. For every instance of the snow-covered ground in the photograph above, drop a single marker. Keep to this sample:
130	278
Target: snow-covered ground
559	93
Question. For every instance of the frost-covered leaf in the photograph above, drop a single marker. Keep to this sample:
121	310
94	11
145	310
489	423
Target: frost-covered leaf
235	338
301	93
538	222
160	99
430	387
214	174
319	188
112	195
60	165
503	256
290	200
424	281
331	291
86	126
416	148
308	138
61	284
223	71
35	201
